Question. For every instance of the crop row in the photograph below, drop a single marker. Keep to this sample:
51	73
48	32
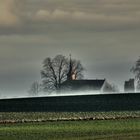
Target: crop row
13	117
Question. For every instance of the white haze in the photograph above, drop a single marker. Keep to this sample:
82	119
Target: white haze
44	94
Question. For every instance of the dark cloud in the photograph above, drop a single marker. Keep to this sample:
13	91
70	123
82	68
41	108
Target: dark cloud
36	17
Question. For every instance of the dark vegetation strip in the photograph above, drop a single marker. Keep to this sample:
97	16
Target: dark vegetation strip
79	103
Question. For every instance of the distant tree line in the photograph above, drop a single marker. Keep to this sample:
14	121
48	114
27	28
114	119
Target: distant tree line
55	71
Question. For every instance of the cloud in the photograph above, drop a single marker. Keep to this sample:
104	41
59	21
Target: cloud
97	19
106	13
8	13
39	17
42	14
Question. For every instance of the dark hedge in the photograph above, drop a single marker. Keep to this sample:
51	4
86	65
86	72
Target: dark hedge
79	103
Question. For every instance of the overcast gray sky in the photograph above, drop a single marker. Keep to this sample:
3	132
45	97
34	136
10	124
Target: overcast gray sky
103	34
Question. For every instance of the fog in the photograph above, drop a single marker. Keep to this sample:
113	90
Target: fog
102	34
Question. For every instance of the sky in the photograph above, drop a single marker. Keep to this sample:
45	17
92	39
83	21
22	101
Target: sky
103	34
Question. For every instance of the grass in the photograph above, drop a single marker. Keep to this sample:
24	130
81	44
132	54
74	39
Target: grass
120	126
126	129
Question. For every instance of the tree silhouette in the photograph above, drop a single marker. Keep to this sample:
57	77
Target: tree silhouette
35	89
57	70
136	70
111	88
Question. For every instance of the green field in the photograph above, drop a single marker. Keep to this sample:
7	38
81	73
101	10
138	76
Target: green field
126	129
123	125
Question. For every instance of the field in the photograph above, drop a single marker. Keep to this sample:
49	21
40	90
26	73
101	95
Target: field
126	129
19	117
70	125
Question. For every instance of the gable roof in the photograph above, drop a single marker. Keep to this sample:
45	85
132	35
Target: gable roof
83	84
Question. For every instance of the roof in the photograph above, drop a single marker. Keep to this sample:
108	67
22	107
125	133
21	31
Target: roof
84	84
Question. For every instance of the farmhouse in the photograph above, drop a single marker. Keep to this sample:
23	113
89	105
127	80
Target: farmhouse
96	86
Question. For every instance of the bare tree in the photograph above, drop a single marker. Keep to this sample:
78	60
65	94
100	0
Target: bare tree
77	69
55	71
111	88
35	88
136	70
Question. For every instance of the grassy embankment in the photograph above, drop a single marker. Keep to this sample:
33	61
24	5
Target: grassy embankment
125	129
100	125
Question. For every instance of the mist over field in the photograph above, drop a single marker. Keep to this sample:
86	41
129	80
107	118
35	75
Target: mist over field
102	34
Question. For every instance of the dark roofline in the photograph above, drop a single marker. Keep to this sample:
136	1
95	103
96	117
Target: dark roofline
90	84
88	80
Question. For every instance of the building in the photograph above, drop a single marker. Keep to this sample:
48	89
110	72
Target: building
129	86
74	85
96	86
